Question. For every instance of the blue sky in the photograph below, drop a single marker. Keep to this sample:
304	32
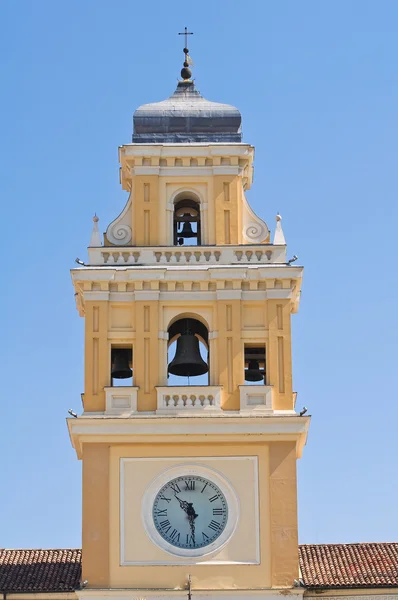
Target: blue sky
316	82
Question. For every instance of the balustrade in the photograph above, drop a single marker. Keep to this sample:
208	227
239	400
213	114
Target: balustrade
188	399
189	255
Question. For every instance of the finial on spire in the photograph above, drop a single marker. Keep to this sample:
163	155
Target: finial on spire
95	240
279	237
186	73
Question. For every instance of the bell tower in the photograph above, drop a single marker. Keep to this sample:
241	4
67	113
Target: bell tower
189	435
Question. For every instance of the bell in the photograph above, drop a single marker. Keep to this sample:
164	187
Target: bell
253	372
186	231
121	360
187	361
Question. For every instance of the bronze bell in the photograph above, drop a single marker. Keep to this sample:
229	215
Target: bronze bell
121	361
186	231
253	371
187	361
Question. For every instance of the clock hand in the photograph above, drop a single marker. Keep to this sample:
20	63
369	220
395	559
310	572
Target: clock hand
191	519
183	504
191	511
187	507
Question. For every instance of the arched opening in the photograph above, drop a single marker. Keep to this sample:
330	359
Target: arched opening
186	223
255	363
188	353
121	365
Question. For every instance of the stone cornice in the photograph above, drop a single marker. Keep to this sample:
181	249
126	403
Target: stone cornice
150	428
181	160
171	283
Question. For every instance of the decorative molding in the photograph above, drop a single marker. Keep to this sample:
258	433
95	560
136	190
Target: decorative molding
95	240
165	153
119	231
188	400
250	254
205	424
203	594
194	150
279	237
121	400
256	398
255	230
197	554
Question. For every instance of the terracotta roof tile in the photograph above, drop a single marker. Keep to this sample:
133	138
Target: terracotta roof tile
349	565
40	570
364	565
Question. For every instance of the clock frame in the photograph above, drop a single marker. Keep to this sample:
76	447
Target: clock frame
187	471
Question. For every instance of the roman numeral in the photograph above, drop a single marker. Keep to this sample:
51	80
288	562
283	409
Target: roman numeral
161	497
164	524
175	487
190	540
175	535
213	498
163	513
214	525
218	511
205	537
190	485
203	488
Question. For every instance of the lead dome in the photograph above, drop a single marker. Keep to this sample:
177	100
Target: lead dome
186	117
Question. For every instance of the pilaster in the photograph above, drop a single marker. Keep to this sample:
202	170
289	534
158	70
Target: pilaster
146	353
97	365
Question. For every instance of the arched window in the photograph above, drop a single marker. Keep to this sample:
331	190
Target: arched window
188	352
187	223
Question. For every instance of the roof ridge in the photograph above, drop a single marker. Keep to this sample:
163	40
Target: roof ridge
38	549
347	544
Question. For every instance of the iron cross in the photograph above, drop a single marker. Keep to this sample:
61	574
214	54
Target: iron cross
186	33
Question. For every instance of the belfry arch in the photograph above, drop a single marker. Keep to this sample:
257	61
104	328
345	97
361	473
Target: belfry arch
187	227
191	357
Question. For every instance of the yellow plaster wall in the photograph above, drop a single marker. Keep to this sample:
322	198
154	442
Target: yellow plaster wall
227	214
223	217
278	518
146	353
95	526
203	576
230	352
96	355
145	225
283	506
235	322
279	359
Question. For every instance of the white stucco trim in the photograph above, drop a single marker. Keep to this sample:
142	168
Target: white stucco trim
190	468
209	594
151	428
196	150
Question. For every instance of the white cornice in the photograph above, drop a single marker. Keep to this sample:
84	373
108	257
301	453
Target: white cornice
280	294
156	429
187	171
131	272
180	594
192	150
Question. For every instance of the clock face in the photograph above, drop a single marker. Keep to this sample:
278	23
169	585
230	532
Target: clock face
190	512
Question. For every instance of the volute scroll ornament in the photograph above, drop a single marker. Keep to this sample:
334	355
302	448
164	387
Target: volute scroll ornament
255	232
119	231
120	235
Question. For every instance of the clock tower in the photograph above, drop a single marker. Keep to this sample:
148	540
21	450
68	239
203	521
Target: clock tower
189	436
